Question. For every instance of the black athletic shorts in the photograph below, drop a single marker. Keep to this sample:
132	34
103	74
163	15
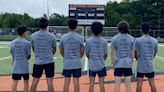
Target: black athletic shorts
123	72
48	68
100	73
74	72
148	75
19	76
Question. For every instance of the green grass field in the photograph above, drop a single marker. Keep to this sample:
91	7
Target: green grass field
6	60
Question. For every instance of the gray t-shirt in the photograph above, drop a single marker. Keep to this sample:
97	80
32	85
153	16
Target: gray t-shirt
97	48
146	47
42	42
71	43
123	44
20	50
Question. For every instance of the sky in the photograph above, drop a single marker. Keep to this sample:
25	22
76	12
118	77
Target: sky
36	8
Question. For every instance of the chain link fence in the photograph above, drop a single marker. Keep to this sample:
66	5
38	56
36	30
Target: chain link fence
8	34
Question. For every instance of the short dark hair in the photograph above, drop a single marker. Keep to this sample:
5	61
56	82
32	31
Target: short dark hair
72	23
145	27
43	23
21	29
123	27
96	28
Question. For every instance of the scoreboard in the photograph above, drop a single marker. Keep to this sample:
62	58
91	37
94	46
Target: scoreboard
87	14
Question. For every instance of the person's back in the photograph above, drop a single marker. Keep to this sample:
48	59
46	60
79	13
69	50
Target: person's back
147	47
42	42
20	50
123	44
72	43
97	50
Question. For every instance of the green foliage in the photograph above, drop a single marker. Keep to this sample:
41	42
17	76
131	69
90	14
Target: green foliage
58	20
13	20
133	11
136	12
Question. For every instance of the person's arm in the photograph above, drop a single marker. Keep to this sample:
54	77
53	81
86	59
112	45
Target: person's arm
54	44
62	51
28	57
136	46
87	49
113	56
82	51
113	51
156	49
133	54
54	50
11	52
29	51
87	54
105	56
82	47
136	55
106	50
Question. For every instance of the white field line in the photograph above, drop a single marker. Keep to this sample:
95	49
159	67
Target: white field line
5	58
3	47
160	57
6	43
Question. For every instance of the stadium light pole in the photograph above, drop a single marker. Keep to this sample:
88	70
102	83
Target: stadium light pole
159	16
48	16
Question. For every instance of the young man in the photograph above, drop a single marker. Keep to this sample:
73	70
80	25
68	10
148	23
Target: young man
146	49
21	53
122	55
72	49
44	47
96	50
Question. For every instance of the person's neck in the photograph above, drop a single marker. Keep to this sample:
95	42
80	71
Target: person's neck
22	37
96	35
45	29
72	30
146	34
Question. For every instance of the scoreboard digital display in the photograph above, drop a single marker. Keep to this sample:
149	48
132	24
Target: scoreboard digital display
87	14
